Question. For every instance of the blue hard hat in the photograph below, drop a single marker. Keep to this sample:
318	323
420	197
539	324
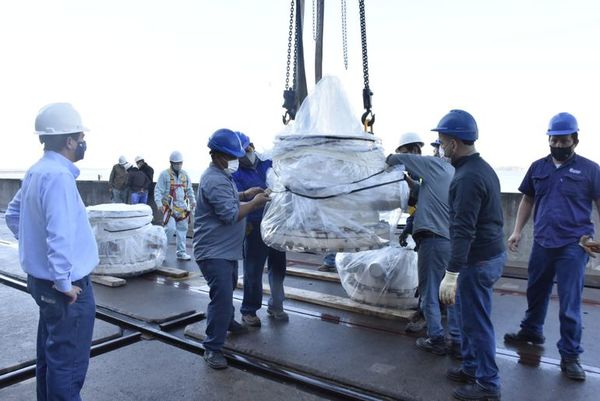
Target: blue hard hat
244	139
226	141
435	143
562	124
458	124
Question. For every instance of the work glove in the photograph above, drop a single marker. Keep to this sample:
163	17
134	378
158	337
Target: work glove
448	288
589	245
402	239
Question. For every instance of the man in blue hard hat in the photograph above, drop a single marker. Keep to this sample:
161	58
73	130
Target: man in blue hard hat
477	255
253	173
219	228
561	189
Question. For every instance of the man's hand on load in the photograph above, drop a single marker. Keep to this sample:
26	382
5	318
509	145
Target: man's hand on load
250	193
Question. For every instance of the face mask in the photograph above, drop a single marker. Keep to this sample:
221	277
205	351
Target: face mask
561	154
176	166
232	165
80	150
251	157
441	154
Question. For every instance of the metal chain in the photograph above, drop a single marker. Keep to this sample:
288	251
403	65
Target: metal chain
363	41
344	34
289	50
296	39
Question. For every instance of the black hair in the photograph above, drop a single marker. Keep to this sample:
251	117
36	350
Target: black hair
411	147
57	143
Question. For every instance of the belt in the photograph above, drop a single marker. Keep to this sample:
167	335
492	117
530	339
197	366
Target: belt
426	234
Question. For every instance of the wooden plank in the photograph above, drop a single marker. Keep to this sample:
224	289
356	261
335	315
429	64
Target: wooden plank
333	301
109	281
314	274
172	272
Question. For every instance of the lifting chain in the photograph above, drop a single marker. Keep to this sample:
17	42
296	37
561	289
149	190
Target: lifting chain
314	21
289	94
368	118
344	34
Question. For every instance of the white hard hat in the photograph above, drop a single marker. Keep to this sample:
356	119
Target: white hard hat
176	157
122	160
58	119
410	137
138	158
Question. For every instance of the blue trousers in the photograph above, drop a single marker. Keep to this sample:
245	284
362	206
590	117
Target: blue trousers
256	254
139	197
474	300
433	259
64	339
221	276
567	265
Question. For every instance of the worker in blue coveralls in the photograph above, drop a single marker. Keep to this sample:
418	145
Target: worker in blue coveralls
477	255
219	229
57	250
253	173
561	189
431	234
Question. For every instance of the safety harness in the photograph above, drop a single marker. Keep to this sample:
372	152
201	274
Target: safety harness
177	212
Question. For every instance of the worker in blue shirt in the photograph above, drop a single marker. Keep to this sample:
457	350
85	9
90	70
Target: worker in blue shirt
57	250
219	228
561	189
477	255
252	172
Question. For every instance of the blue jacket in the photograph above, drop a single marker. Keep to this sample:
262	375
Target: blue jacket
247	177
476	222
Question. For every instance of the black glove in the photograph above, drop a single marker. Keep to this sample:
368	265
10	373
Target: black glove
402	239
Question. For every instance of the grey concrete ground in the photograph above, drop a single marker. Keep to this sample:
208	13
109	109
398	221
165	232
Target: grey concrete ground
153	371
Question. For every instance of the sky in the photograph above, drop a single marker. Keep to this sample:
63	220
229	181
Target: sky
150	77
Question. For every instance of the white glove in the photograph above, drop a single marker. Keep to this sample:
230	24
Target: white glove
448	288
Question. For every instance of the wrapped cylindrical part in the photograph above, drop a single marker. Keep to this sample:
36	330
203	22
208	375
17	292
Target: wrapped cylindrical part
328	180
128	243
385	277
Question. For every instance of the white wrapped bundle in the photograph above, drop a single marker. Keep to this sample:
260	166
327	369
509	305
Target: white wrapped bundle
128	243
384	277
328	181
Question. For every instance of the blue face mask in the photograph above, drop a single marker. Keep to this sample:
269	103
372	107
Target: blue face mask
80	150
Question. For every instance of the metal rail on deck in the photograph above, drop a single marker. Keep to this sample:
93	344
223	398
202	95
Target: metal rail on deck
236	359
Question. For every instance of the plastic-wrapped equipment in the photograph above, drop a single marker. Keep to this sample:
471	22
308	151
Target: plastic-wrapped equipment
328	181
383	277
128	243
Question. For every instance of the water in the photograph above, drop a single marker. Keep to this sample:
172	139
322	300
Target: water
510	177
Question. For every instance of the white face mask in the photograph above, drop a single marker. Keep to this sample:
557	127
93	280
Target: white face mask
251	157
441	152
232	165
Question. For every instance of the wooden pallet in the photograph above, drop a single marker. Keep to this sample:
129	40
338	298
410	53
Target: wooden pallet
108	281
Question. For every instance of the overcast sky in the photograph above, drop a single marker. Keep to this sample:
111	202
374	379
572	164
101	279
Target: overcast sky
150	77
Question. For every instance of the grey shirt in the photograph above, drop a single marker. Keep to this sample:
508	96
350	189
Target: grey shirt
432	204
217	232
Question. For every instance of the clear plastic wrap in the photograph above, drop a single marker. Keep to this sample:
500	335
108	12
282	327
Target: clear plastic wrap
128	243
384	277
328	181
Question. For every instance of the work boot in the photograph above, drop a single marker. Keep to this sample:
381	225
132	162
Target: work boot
326	268
453	349
437	347
183	256
524	337
460	376
236	328
572	368
250	320
278	315
215	359
476	392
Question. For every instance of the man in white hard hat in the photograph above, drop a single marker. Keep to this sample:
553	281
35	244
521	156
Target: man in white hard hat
57	250
175	197
117	183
